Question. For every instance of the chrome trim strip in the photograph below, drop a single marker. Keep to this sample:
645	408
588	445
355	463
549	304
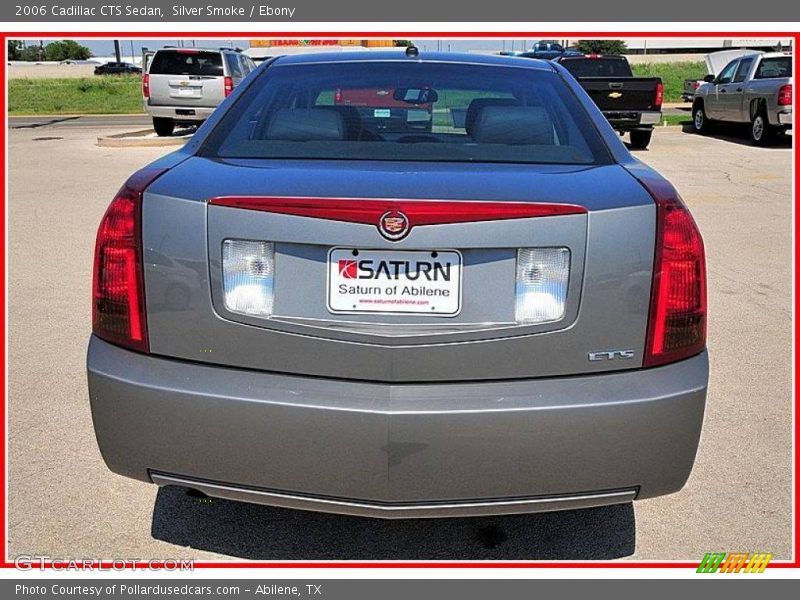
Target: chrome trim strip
466	508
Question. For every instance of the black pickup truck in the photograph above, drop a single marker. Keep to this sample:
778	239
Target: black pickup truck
631	104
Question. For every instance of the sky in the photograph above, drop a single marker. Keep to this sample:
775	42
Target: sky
106	47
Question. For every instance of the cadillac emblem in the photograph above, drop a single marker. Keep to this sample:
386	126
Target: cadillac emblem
393	225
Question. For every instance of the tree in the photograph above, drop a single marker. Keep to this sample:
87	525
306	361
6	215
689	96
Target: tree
15	48
32	53
601	46
66	50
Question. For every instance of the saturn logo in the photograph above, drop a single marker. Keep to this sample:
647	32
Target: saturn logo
393	225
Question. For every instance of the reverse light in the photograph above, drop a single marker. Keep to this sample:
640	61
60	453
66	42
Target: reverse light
542	278
659	94
146	86
785	95
248	274
677	323
228	82
118	303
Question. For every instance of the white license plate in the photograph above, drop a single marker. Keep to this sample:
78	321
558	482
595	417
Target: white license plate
394	282
185	91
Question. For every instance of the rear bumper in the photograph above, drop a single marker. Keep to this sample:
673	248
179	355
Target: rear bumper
180	113
627	120
396	451
785	117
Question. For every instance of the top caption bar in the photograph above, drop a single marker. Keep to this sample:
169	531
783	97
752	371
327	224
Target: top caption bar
259	11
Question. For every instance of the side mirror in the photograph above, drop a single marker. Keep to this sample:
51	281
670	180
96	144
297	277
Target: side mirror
709	78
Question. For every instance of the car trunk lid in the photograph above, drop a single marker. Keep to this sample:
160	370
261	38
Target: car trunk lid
608	241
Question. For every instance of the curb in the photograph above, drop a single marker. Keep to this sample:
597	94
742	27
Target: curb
72	116
133	139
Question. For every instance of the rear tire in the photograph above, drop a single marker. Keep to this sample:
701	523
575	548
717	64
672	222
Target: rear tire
699	119
761	132
640	138
163	127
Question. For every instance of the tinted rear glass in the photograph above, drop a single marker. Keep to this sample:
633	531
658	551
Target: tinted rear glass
187	62
408	112
597	67
771	68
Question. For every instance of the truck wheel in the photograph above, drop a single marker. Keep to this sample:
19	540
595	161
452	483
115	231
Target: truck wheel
640	138
163	127
699	119
761	132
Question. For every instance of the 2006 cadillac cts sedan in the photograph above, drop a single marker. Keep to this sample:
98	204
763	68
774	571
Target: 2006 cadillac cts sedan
401	285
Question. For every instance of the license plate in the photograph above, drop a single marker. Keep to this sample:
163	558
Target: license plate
185	92
394	282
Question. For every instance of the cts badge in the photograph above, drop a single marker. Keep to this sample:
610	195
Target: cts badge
610	355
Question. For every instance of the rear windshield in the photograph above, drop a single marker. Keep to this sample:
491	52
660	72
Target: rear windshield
187	62
772	68
408	112
597	67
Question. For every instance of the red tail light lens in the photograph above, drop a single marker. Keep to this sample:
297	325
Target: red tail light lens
118	305
146	86
677	324
659	94
785	95
228	86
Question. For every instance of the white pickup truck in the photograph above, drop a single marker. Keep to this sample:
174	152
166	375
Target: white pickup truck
754	89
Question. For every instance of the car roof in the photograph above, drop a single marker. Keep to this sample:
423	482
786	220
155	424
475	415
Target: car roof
198	50
399	55
776	54
589	55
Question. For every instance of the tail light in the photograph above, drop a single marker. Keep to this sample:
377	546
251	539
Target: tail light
659	94
228	86
785	95
118	306
696	84
337	96
146	86
677	324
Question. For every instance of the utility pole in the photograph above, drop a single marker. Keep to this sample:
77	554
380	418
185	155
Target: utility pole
116	50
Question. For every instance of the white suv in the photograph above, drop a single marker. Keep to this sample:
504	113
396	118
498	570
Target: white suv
185	85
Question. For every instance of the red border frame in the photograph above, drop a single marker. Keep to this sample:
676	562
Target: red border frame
795	563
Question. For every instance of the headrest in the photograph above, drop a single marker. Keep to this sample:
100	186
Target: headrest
305	124
479	104
351	118
513	125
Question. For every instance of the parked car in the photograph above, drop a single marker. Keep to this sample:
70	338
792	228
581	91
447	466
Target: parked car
117	68
185	85
754	89
715	62
382	109
631	104
388	321
545	50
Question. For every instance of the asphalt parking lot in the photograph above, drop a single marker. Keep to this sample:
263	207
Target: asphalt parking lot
64	503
